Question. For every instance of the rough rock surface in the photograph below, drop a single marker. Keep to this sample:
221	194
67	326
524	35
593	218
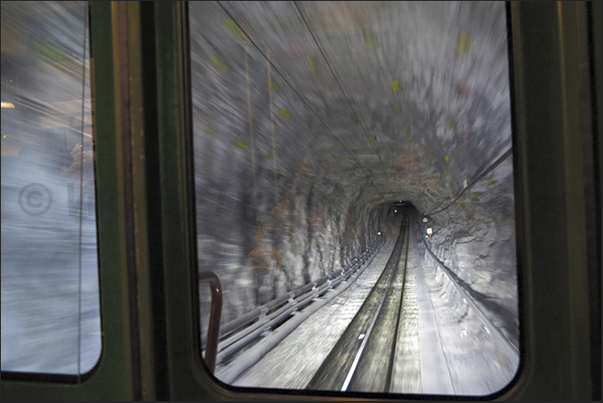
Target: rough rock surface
443	345
475	238
310	118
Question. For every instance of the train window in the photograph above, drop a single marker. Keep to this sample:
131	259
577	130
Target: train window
355	194
50	296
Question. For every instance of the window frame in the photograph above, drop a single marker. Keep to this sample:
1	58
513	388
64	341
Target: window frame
538	366
555	360
114	366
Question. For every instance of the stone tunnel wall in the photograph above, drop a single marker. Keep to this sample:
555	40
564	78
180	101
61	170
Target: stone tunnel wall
475	239
280	201
260	254
302	129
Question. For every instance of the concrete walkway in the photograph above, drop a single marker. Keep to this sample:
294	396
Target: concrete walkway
293	362
443	347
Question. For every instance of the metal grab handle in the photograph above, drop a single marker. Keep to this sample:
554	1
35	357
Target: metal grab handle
213	329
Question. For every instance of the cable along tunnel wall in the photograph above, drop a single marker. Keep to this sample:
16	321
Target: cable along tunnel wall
304	129
309	118
421	336
474	238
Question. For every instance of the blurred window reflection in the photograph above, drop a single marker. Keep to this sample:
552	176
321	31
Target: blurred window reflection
50	296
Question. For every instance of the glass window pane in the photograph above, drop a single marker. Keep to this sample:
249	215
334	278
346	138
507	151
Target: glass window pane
354	194
50	296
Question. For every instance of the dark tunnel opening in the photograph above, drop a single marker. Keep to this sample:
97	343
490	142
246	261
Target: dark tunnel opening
331	141
346	120
403	207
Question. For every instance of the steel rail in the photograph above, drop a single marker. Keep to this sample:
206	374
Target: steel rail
292	304
346	351
365	357
233	370
245	329
367	335
390	370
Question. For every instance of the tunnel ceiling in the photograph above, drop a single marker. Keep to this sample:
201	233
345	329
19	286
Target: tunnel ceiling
406	100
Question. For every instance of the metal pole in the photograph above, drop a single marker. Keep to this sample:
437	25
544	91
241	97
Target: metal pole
213	329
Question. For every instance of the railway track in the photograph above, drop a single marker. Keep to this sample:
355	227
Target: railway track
363	358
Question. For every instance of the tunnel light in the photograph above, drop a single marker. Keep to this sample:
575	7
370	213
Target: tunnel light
379	233
425	219
7	105
429	231
395	211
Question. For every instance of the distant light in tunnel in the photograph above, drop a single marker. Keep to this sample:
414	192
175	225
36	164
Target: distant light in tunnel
373	119
429	231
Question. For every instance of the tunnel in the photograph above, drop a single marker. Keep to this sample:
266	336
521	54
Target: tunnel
317	124
335	145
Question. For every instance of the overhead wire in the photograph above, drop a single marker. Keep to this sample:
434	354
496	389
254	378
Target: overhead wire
272	133
343	92
300	97
483	173
251	135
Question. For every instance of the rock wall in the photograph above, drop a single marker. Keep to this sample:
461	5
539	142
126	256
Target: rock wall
310	117
475	238
260	255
